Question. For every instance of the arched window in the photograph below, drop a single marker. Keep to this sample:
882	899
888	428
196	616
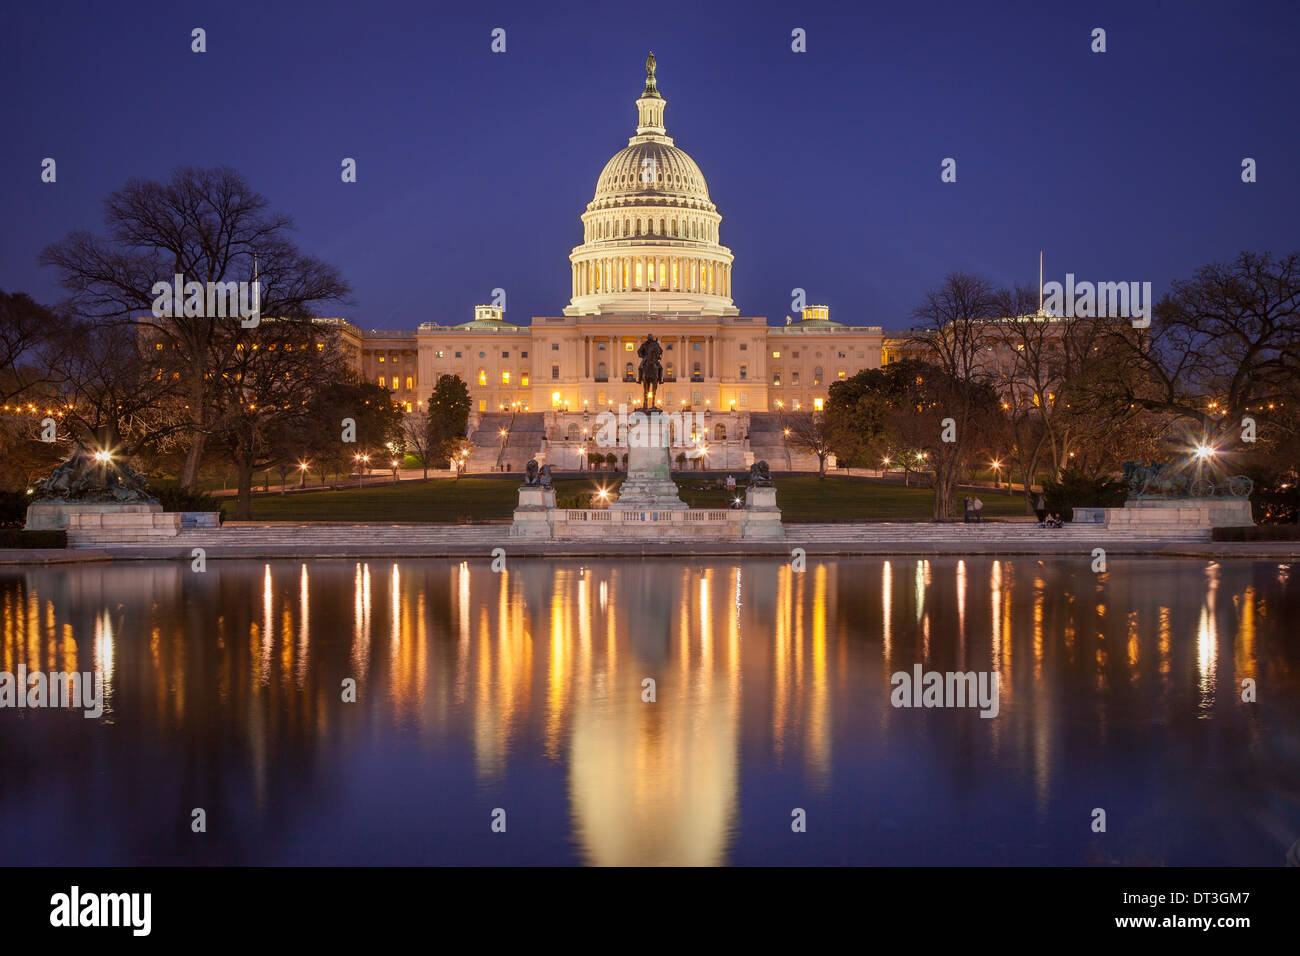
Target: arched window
627	371
662	230
602	371
638	227
817	375
674	227
720	432
668	371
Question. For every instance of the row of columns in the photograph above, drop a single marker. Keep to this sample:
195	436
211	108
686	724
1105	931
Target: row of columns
618	274
682	368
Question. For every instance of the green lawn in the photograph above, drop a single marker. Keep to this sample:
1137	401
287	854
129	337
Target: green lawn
801	499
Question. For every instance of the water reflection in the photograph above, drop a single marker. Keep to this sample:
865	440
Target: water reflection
654	712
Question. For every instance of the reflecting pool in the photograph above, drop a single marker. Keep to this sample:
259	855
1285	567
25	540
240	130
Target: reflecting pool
522	698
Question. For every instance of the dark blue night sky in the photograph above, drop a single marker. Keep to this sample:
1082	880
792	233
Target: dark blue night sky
474	167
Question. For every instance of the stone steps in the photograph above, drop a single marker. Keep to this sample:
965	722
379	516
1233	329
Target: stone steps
400	539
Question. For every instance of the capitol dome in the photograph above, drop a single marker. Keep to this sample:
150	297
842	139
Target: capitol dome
652	172
650	233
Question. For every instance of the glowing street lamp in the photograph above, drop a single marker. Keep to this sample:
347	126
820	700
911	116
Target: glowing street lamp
997	473
302	473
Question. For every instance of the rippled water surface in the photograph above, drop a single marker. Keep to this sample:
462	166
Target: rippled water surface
524	691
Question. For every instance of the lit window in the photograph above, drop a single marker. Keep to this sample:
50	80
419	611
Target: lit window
817	404
482	404
627	346
523	379
438	353
381	382
482	376
381	358
840	374
505	378
776	355
410	383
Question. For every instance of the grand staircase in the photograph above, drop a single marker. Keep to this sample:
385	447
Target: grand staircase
768	443
523	440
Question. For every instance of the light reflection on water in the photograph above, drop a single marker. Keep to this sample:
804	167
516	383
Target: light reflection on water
525	690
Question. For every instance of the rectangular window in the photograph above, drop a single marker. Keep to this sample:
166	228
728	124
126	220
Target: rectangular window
438	353
776	377
695	346
457	355
381	358
482	376
600	398
627	346
744	372
523	379
817	404
794	378
744	398
505	378
410	383
840	374
555	372
794	354
505	355
776	355
482	404
555	346
381	382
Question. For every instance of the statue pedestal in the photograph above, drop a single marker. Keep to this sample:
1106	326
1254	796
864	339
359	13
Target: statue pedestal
649	485
534	516
762	516
1178	517
51	514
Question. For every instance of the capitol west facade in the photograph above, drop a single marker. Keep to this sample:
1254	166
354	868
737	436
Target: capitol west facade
651	261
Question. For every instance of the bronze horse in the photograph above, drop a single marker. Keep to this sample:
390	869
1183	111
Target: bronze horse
650	373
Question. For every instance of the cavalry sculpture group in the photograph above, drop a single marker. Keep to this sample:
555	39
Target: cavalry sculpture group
1167	480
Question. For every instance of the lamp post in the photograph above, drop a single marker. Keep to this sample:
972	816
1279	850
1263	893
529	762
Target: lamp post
302	473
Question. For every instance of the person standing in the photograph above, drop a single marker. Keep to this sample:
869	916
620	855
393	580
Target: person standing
965	516
978	506
1040	508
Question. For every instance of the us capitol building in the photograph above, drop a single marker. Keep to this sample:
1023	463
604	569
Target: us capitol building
651	260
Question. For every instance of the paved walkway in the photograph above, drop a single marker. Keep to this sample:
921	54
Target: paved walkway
326	540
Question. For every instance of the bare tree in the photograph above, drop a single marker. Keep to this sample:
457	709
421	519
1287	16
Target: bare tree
208	226
958	318
809	432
